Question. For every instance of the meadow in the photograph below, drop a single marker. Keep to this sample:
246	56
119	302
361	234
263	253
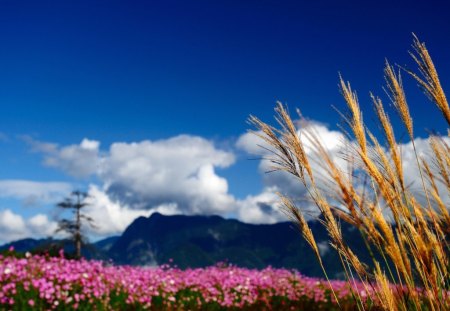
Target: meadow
55	283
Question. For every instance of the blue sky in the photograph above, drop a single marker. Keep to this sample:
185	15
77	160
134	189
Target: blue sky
146	72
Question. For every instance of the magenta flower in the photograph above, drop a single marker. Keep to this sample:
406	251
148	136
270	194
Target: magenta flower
62	283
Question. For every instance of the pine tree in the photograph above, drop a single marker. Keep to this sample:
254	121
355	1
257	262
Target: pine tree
76	202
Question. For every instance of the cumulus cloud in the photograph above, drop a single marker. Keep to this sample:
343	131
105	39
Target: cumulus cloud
337	145
261	208
179	175
178	171
411	171
40	226
81	160
172	176
14	227
334	141
251	143
111	217
34	193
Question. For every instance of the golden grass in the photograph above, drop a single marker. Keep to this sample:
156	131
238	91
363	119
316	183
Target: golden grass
410	235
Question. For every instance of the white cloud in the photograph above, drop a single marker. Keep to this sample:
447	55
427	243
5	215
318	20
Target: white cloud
39	225
39	146
179	170
334	141
261	208
179	176
14	227
171	176
110	217
337	145
79	161
76	160
252	143
411	172
34	193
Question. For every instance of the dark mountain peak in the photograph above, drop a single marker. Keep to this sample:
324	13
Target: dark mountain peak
140	219
159	225
198	241
158	221
156	216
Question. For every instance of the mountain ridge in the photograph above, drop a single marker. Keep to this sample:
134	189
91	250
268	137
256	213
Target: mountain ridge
199	241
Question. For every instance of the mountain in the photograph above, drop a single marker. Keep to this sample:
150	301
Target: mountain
199	241
26	245
106	244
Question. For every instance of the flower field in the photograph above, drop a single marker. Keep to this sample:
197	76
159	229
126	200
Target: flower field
43	283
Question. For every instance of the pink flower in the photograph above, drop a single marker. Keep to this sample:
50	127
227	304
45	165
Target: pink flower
67	283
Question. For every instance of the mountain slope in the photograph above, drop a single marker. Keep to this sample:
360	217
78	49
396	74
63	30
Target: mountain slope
197	241
97	250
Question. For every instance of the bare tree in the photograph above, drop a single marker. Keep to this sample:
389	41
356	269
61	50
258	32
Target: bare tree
73	227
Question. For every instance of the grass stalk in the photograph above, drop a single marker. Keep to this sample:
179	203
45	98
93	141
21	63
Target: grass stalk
413	243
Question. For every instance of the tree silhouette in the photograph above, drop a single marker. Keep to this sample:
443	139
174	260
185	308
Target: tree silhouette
73	227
